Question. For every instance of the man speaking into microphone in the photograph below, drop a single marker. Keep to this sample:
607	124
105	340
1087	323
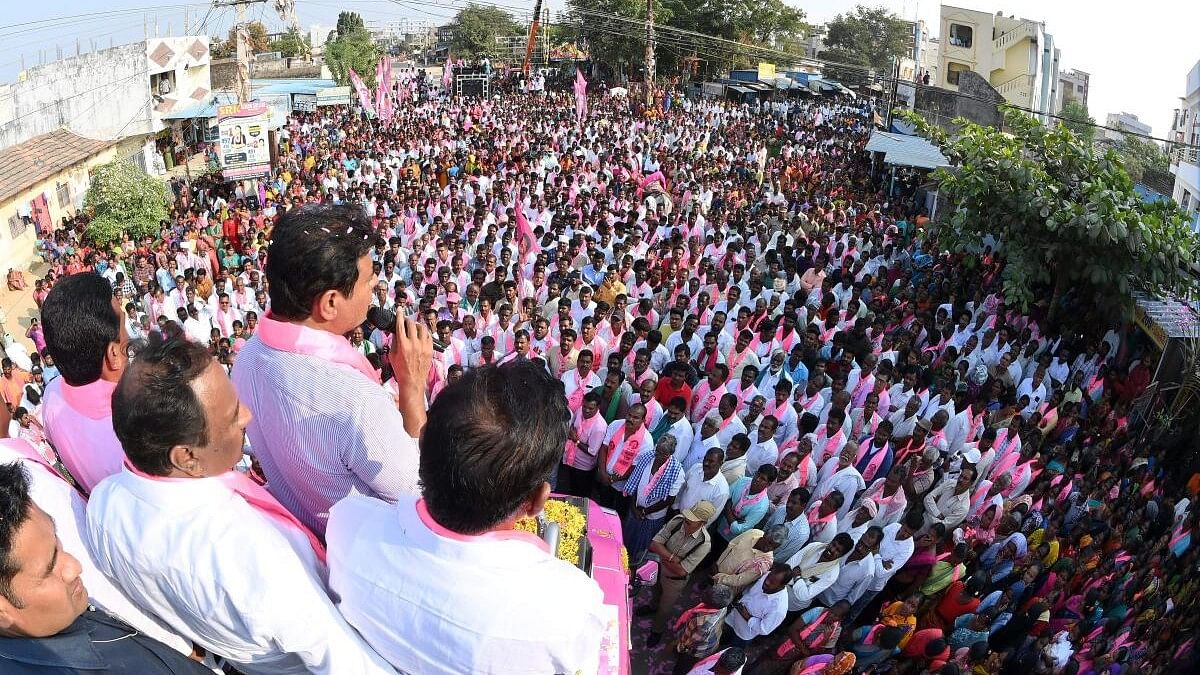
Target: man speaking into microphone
323	426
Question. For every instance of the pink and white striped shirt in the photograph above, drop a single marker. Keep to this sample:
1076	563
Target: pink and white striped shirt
322	428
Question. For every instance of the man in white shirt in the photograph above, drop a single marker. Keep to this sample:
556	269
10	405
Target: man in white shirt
443	583
762	445
203	547
858	568
896	546
950	502
65	506
704	482
761	608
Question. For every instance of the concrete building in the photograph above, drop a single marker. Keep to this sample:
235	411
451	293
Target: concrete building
44	179
317	36
1185	138
112	93
814	42
1016	56
1123	121
1072	86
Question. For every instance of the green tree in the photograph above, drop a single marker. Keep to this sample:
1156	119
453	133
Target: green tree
1066	217
350	47
609	30
476	27
291	44
122	198
1140	155
1077	119
348	22
867	36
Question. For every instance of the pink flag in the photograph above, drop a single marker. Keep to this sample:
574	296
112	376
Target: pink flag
580	95
364	94
387	87
380	92
447	74
523	230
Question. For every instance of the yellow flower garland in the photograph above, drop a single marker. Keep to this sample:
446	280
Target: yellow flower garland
571	524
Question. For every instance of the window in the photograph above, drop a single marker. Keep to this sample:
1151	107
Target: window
64	195
1187	201
960	35
162	84
16	226
953	71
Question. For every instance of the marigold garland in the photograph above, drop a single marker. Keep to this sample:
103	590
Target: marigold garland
571	525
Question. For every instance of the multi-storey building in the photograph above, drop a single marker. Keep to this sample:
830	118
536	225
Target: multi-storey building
1016	56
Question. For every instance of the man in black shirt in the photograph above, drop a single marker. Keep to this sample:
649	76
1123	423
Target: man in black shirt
46	624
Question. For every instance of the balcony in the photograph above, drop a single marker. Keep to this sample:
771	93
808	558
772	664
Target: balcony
1017	90
1184	157
1001	44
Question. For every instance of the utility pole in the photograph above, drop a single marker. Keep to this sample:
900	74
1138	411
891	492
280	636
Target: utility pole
650	65
895	86
242	33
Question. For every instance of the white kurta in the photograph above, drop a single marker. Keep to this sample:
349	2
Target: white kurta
219	572
436	602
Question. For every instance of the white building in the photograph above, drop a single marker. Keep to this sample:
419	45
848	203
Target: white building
1017	56
1123	121
110	94
1185	159
317	35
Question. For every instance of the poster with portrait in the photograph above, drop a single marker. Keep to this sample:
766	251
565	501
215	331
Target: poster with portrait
245	150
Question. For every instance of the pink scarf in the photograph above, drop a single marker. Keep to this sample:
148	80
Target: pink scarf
257	497
832	445
297	339
583	430
625	449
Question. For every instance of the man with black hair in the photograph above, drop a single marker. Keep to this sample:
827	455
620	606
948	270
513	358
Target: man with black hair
443	583
46	624
86	335
323	426
200	545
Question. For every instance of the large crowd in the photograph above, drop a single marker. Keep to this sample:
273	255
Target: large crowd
841	447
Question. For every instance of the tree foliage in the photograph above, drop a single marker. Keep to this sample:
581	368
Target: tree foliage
1065	216
350	47
754	24
609	39
1079	121
1140	156
122	198
476	27
291	44
867	36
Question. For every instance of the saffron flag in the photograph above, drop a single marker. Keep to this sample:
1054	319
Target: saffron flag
580	95
364	94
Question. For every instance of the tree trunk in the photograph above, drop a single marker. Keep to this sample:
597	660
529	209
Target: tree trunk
1060	288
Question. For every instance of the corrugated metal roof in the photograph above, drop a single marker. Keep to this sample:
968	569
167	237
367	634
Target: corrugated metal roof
27	164
906	150
207	109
